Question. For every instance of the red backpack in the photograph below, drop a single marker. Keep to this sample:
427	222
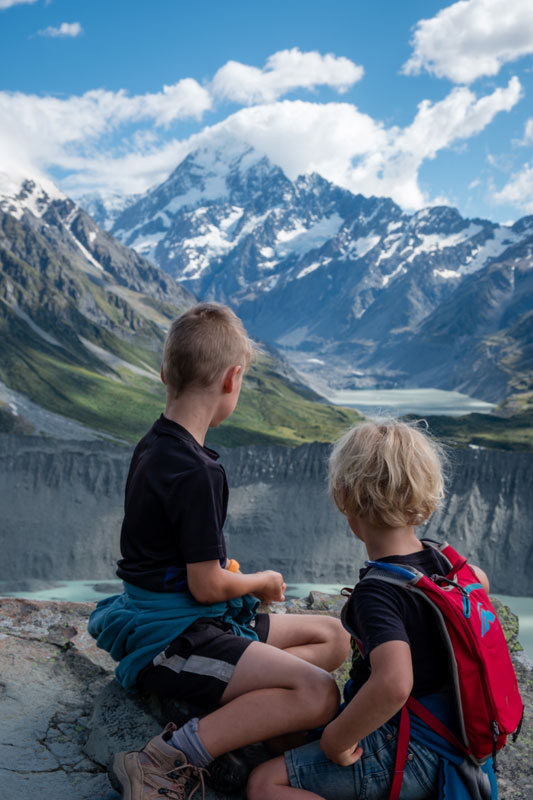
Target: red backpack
489	706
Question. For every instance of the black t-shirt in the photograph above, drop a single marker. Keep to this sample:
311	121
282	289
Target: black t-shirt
175	508
382	612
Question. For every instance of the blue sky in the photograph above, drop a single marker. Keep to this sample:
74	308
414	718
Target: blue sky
422	101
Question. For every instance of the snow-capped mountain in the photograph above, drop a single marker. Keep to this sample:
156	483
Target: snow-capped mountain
311	267
106	208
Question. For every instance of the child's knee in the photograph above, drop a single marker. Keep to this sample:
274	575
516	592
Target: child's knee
264	778
340	638
321	697
257	784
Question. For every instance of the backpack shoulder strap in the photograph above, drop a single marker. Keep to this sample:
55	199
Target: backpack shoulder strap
399	574
454	559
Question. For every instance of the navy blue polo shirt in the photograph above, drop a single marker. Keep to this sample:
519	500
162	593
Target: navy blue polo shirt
175	508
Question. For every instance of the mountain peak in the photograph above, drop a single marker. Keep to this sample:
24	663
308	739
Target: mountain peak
19	193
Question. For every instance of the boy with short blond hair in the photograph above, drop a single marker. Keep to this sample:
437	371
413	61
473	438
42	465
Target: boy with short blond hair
385	477
186	625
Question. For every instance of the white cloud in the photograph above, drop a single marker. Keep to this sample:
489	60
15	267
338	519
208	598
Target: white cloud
518	191
348	147
335	139
528	133
45	131
66	29
472	38
283	72
8	3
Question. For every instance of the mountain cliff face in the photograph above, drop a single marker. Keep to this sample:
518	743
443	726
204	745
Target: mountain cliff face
324	273
82	318
62	509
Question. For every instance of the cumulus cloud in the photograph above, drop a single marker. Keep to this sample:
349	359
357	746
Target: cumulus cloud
283	72
518	191
66	29
472	38
8	3
344	145
43	128
79	134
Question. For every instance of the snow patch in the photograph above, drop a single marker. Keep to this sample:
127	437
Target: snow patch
386	279
308	270
360	247
389	252
89	256
446	274
299	239
431	242
271	283
502	239
231	219
146	244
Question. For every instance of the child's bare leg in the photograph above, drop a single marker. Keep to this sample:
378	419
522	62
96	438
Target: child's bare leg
318	639
271	692
270	781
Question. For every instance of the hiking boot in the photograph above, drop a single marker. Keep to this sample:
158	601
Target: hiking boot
156	771
229	773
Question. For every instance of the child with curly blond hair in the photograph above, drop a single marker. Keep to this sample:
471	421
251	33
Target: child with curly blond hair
386	477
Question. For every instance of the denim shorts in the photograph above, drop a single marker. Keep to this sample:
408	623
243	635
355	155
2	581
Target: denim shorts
369	778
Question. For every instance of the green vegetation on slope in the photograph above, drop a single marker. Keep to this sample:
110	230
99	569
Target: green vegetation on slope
485	430
272	410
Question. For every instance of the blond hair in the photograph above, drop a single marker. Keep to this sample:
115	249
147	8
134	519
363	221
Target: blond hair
387	472
202	343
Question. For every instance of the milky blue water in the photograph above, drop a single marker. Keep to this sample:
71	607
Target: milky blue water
396	402
81	591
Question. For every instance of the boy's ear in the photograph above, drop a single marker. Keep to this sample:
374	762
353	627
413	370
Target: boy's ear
231	375
162	375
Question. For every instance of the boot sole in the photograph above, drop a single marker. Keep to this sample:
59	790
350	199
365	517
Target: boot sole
118	777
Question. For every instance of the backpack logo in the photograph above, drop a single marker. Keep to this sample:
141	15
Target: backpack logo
486	617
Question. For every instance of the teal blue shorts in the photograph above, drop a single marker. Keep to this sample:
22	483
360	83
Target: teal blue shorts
369	778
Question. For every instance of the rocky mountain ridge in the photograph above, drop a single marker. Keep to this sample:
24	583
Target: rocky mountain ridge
82	318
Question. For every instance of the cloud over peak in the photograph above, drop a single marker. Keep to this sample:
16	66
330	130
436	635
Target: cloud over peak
471	39
283	72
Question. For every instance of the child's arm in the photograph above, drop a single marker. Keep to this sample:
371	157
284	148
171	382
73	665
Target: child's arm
210	583
385	692
482	577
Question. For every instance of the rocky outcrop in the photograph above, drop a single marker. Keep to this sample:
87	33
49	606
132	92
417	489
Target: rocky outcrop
62	714
62	508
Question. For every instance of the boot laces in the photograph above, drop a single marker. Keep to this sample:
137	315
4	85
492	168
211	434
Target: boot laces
176	789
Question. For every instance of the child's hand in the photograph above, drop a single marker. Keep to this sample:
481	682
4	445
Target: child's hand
343	757
272	588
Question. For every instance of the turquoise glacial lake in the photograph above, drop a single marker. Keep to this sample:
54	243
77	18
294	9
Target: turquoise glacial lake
82	591
395	402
